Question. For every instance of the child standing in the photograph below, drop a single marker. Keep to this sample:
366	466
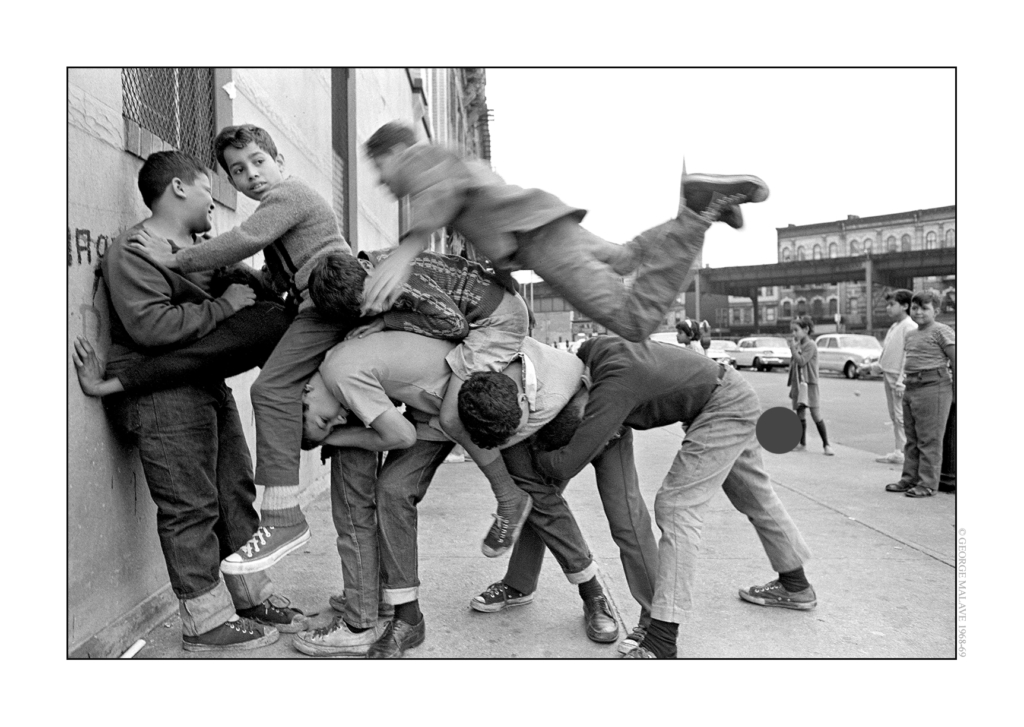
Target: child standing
293	226
804	370
928	397
890	366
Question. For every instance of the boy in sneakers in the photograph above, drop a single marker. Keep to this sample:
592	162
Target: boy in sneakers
188	433
890	366
532	229
929	368
292	226
454	299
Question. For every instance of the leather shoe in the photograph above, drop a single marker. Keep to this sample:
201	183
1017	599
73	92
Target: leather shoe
397	637
601	624
898	487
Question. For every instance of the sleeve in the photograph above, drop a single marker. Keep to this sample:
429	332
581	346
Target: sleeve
610	402
141	296
428	311
359	388
279	212
805	353
437	205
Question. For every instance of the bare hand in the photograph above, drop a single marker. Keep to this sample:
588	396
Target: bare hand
377	324
90	369
239	296
384	283
155	247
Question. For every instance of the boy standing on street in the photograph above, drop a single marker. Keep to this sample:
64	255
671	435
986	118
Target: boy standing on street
890	366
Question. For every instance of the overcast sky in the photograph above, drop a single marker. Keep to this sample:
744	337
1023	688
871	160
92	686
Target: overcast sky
829	143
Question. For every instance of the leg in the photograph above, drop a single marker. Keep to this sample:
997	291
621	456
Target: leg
895	404
932	402
911	453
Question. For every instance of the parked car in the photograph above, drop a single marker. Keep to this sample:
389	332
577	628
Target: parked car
723	351
847	353
762	353
665	337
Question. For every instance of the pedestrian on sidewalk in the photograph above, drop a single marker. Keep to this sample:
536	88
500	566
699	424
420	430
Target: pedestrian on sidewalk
803	380
930	370
890	366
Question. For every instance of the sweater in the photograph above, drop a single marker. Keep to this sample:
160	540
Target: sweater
292	213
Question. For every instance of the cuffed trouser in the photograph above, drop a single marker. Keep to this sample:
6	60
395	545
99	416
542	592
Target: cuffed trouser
199	473
894	401
277	404
925	412
587	270
720	449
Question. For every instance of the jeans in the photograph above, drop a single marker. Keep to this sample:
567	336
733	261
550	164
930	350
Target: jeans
895	402
199	474
925	411
720	449
588	271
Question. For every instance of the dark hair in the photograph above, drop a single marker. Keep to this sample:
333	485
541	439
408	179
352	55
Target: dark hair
901	296
688	327
163	166
239	137
924	297
387	136
489	408
336	286
558	432
805	322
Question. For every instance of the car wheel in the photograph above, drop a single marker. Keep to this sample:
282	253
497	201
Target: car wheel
850	370
757	364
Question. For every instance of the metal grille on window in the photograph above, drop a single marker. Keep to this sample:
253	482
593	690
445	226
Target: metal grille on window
175	104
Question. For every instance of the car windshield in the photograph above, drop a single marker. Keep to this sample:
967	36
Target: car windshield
859	342
724	345
771	343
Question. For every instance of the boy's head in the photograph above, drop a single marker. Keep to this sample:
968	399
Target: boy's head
250	157
923	307
336	286
321	412
686	331
898	301
489	408
177	184
383	148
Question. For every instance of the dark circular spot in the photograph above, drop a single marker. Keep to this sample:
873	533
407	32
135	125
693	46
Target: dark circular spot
778	430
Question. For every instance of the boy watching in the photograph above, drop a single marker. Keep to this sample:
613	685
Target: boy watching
928	397
890	366
293	226
532	229
450	298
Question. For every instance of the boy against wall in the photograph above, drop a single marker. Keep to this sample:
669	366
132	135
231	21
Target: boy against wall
293	226
928	397
890	366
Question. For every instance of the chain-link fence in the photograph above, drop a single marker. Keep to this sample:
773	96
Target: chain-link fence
175	104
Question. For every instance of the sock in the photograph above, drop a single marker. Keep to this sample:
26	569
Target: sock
354	630
409	612
821	430
280	507
794	580
661	638
591	588
503	487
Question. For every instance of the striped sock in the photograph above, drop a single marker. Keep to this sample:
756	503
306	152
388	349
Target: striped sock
281	506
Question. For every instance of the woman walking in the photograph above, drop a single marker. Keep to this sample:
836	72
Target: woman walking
803	380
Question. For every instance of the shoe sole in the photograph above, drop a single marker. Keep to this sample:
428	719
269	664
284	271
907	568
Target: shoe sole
760	195
293	628
882	460
501	605
266	640
905	490
327	651
600	638
491	553
778	604
262	563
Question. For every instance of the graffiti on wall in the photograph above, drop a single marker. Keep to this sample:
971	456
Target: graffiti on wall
83	250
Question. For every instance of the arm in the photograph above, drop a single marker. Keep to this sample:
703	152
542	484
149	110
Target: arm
430	312
384	284
390	430
802	354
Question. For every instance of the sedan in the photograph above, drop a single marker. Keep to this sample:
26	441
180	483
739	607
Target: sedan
723	351
762	353
847	353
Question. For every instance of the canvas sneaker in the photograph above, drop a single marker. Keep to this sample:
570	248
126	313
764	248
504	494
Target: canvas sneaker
504	530
633	640
773	594
243	633
497	597
266	547
280	615
891	458
336	639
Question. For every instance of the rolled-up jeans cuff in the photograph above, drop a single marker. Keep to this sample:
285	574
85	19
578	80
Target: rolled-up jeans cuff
398	596
584	575
206	612
249	590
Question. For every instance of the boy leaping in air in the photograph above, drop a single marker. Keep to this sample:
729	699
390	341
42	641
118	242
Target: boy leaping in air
454	299
531	229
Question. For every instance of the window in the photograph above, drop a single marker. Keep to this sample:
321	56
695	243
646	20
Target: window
854	305
817	252
931	241
786	255
890	244
868	245
817	308
787	309
905	243
833	306
800	254
833	250
769	314
801	307
854	249
950	238
829	342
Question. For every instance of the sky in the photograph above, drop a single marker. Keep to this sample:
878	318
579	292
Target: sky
828	142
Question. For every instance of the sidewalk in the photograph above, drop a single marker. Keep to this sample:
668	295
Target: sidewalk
883	569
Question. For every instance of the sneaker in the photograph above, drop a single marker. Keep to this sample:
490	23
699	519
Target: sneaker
284	618
397	637
800	448
504	531
235	635
900	486
497	597
713	194
773	594
829	452
265	548
891	458
384	610
732	216
633	640
336	639
640	652
601	624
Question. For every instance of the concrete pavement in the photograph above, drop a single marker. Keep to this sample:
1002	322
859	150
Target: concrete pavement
883	567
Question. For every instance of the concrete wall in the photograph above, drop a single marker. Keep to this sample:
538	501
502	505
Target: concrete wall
117	581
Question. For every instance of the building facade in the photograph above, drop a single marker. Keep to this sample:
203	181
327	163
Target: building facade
319	119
